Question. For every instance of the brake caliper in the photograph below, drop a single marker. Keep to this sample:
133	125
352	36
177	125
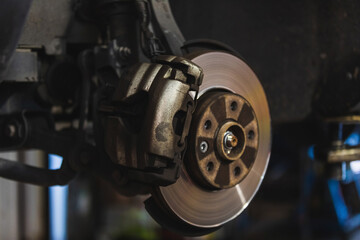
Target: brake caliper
152	112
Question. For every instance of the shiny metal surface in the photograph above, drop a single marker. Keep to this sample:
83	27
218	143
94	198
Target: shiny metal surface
208	209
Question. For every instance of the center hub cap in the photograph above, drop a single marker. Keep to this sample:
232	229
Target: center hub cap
230	141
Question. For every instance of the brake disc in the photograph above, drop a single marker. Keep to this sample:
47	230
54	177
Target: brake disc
228	149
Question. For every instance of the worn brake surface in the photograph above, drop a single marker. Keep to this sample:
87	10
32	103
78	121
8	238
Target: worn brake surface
228	150
149	119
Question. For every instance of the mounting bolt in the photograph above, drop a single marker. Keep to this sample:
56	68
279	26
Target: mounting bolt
230	140
204	146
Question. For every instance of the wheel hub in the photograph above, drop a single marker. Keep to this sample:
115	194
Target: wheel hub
223	140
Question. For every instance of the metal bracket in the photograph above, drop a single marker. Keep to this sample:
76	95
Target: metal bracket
168	26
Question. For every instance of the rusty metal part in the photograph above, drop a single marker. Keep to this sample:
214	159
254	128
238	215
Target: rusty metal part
228	125
191	203
351	119
343	155
154	140
333	151
168	26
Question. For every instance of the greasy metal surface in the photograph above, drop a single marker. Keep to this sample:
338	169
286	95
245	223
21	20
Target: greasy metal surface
157	135
51	24
156	142
218	117
23	67
46	25
203	208
343	155
12	19
351	119
166	21
333	148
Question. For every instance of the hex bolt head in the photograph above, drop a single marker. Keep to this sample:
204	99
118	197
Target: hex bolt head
230	140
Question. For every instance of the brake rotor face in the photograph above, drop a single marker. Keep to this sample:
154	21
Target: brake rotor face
202	207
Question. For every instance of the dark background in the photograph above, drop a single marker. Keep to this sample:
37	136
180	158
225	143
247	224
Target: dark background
293	46
306	54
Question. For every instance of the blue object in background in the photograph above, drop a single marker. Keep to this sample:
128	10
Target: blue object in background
340	207
348	219
311	152
353	139
58	201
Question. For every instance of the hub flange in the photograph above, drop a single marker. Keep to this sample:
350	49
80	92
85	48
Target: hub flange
223	140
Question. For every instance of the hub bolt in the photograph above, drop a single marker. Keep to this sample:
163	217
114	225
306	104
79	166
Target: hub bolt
204	146
230	140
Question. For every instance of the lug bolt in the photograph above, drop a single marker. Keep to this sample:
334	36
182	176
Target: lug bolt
204	146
